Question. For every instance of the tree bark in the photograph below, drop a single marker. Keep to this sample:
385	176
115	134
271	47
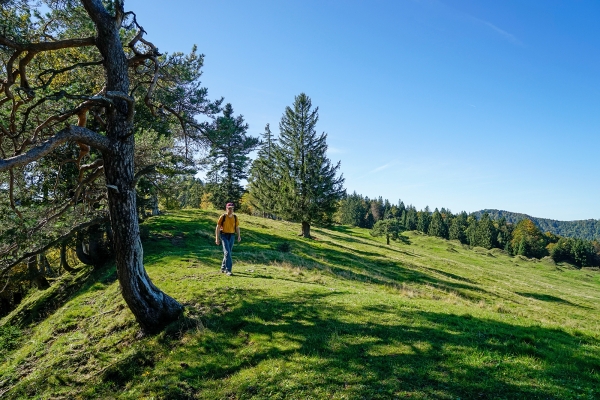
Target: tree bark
63	259
306	230
152	308
35	276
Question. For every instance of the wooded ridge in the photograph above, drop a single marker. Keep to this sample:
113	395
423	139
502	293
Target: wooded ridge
588	229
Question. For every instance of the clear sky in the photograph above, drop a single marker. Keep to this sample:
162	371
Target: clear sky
463	104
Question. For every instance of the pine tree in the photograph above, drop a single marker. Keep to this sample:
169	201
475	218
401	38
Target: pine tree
486	234
458	226
308	188
437	226
388	227
410	223
352	210
423	220
471	230
228	157
262	183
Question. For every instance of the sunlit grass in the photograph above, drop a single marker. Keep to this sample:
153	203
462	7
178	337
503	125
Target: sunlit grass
343	316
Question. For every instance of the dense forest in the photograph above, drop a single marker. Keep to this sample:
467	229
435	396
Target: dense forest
588	229
521	238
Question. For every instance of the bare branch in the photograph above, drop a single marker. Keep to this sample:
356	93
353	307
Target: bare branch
65	206
46	46
144	171
71	133
55	72
53	243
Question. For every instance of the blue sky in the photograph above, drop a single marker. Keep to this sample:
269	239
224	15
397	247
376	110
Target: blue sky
458	104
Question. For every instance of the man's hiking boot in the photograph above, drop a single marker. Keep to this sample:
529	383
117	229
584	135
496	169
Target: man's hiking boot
229	273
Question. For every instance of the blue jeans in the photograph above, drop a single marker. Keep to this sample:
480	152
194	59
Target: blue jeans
227	240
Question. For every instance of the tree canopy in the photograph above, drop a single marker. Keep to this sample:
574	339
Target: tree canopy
308	187
80	85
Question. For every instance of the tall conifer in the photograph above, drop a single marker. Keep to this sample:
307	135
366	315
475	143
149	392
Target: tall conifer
228	157
308	185
262	183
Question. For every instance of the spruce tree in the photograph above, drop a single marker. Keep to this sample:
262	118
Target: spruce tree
308	186
458	225
262	183
352	210
486	232
437	226
228	157
423	220
410	222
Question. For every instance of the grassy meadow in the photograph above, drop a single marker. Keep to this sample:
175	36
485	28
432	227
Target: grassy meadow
343	316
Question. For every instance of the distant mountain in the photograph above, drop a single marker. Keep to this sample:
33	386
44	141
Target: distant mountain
585	229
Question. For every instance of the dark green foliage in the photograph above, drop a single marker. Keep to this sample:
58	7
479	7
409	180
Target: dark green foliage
10	337
504	230
485	233
410	219
437	226
262	182
308	189
353	210
423	220
577	251
584	229
390	228
458	226
228	159
528	240
377	209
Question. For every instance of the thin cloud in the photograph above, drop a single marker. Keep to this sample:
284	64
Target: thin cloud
381	168
442	7
335	150
502	32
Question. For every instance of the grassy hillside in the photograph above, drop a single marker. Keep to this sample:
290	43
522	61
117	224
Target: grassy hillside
343	316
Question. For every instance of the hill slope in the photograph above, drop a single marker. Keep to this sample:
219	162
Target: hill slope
588	229
343	316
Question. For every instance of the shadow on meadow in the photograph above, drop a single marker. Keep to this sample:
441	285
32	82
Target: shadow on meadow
431	354
259	246
552	299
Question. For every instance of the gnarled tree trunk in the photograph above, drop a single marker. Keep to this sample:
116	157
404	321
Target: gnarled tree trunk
152	308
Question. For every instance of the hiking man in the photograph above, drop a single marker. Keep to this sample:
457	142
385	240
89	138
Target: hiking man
227	226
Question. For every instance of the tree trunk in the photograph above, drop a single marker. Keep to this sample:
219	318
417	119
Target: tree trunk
305	229
387	237
63	259
81	251
152	308
155	210
35	276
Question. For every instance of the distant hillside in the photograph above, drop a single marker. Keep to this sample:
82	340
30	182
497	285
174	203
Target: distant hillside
585	229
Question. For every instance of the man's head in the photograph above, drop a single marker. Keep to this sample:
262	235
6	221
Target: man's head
229	207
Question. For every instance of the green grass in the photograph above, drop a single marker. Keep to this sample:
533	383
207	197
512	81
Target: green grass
343	316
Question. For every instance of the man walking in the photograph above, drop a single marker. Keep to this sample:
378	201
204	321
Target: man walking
227	227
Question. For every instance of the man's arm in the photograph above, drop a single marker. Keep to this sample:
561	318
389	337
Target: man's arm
217	231
237	230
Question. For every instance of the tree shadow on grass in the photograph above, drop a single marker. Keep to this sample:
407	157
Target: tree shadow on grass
329	257
312	348
549	298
